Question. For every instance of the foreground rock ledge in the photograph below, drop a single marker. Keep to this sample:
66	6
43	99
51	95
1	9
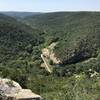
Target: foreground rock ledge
11	90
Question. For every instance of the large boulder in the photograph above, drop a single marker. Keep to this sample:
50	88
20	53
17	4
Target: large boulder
11	90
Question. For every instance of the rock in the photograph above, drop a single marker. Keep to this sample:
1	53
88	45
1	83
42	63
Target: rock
49	54
13	91
46	52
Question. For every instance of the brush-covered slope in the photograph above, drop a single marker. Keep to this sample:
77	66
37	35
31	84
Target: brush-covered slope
16	38
78	33
49	22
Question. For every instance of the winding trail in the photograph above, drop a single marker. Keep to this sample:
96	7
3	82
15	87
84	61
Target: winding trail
46	64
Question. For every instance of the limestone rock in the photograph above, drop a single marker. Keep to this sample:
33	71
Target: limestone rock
13	91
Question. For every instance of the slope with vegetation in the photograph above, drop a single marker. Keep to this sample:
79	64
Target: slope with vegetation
77	34
19	47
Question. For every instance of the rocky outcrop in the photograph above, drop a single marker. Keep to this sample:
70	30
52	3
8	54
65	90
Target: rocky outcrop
49	54
11	90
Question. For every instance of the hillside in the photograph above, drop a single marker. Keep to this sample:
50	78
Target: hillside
19	50
72	39
78	33
15	38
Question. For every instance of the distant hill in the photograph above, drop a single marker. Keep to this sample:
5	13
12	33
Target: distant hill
20	14
49	21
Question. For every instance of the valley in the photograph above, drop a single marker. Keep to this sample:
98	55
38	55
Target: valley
56	55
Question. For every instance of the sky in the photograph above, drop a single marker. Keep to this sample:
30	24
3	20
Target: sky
49	5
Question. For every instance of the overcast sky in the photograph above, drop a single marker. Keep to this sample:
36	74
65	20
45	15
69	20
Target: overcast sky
49	5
